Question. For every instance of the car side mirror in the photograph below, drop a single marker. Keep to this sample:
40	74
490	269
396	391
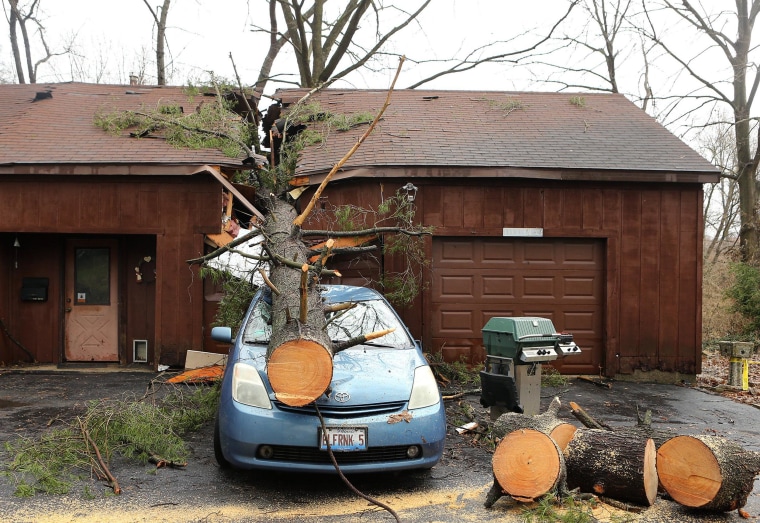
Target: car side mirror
221	334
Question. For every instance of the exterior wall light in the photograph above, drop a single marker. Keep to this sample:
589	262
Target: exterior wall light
411	191
16	247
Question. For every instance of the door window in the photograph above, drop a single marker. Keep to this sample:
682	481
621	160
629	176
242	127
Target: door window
92	282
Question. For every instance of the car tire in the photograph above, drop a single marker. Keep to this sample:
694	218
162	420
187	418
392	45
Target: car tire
218	454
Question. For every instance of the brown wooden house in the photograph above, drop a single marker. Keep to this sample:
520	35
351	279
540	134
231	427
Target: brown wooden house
576	207
95	229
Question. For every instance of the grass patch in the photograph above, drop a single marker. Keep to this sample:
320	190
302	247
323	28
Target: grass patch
567	510
132	427
550	377
454	374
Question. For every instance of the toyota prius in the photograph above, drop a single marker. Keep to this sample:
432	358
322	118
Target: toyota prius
382	411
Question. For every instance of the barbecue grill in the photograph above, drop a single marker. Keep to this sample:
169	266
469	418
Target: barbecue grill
515	350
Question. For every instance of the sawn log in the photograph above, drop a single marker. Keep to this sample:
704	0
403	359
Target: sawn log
707	472
618	466
528	465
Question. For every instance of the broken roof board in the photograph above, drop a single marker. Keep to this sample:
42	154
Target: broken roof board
535	133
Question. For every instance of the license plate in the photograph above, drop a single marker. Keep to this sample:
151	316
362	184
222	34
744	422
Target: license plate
344	439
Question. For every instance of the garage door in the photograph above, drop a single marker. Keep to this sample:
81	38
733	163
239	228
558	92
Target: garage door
476	279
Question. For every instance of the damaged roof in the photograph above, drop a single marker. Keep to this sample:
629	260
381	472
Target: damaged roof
50	129
492	133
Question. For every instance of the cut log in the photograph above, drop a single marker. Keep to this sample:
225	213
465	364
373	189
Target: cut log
707	472
547	423
299	371
613	465
528	464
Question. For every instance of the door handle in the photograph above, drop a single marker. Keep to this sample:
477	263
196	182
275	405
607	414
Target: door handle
67	309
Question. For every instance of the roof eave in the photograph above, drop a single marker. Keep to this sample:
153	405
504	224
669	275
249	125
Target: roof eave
316	177
113	169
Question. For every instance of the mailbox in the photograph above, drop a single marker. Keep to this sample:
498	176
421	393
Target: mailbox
34	289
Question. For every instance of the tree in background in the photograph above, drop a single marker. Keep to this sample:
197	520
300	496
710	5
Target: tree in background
24	19
326	43
160	15
717	62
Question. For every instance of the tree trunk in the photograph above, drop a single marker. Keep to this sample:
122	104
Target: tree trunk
527	465
547	423
300	353
613	465
707	472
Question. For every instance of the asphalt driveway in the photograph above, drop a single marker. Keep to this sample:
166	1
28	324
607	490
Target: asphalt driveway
454	490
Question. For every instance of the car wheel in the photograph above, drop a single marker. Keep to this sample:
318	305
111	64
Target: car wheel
223	463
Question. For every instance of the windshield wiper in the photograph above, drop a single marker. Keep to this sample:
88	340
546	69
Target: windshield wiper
375	344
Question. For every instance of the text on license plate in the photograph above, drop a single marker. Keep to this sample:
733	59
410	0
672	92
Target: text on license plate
344	439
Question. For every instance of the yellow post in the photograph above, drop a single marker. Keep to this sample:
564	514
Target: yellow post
745	372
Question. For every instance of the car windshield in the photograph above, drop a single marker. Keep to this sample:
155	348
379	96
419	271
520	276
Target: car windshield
361	318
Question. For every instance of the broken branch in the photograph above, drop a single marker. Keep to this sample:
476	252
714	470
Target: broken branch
304	294
99	460
585	418
269	282
223	249
360	339
298	222
340	306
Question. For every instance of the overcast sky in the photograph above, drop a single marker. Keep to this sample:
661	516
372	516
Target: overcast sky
112	36
202	34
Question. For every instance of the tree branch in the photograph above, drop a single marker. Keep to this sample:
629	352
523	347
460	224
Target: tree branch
298	222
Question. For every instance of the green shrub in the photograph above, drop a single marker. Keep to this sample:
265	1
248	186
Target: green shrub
745	293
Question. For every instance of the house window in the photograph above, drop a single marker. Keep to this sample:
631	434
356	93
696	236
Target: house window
92	282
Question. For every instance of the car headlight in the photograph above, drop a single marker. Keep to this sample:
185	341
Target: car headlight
247	387
424	389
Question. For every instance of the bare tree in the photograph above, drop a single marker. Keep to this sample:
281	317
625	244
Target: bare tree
489	53
325	42
160	16
736	92
721	200
23	18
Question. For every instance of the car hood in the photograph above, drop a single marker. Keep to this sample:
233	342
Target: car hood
373	375
367	374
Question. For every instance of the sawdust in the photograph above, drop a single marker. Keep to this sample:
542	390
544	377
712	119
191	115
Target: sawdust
67	510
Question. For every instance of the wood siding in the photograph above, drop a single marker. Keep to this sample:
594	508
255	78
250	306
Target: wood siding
652	259
164	217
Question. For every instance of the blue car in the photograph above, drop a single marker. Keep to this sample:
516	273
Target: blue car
382	411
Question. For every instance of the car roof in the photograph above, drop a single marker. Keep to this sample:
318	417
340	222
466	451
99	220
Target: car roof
342	293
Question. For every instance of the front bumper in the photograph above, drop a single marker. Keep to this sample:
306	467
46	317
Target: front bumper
293	440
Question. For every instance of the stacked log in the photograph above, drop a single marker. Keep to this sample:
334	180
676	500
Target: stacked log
707	472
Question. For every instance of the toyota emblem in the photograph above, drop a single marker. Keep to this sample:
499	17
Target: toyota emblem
342	397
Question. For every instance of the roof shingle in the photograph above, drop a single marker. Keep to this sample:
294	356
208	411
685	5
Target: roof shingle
589	131
59	129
